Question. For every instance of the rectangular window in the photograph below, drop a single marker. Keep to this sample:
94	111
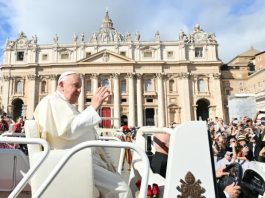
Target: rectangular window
123	53
65	56
88	99
148	54
123	100
44	57
123	86
198	52
20	56
170	54
150	100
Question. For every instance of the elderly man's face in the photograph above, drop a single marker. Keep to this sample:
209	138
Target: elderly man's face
71	88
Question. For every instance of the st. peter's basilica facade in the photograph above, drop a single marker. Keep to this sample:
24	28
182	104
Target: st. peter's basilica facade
152	82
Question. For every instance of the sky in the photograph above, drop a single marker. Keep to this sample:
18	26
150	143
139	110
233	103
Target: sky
237	24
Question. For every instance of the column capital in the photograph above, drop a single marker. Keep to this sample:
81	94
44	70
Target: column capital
160	75
82	76
6	78
95	75
217	75
139	76
184	75
195	75
170	76
53	76
32	76
130	75
115	75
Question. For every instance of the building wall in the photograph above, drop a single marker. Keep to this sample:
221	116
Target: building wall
260	61
173	69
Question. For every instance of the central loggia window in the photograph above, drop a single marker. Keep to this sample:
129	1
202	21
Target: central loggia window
20	56
198	52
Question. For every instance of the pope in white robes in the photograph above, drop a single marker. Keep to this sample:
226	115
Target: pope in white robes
63	127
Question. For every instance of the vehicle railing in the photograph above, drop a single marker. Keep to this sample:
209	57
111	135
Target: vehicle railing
119	169
151	130
12	134
46	148
95	143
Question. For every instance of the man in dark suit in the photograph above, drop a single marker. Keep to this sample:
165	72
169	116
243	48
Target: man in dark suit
254	146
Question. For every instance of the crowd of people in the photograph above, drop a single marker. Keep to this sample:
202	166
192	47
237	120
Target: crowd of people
239	142
242	141
9	125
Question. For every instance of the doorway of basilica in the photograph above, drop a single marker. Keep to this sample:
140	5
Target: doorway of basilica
202	109
149	117
106	114
124	120
17	108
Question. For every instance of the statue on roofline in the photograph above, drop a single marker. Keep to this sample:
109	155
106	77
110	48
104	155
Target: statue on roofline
137	36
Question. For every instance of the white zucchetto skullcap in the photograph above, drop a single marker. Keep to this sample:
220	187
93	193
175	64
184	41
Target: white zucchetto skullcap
63	75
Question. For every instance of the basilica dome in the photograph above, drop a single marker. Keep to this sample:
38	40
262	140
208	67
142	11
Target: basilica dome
107	33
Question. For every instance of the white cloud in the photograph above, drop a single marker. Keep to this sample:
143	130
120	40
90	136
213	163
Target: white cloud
236	23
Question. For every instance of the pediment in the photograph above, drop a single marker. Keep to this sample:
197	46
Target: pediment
106	56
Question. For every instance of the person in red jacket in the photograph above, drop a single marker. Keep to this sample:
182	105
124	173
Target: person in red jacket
17	127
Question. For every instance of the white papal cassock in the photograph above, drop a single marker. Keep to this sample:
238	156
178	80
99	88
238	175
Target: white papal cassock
63	127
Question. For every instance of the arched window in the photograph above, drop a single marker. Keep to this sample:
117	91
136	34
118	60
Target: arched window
148	85
201	85
88	86
123	86
171	85
18	87
43	86
105	83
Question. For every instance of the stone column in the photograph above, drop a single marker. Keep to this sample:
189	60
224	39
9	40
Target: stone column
5	94
160	100
195	111
139	100
131	120
81	99
195	84
31	95
53	86
116	101
218	97
178	115
95	82
185	99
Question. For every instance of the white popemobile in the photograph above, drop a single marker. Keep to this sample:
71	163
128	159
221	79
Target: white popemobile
69	173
